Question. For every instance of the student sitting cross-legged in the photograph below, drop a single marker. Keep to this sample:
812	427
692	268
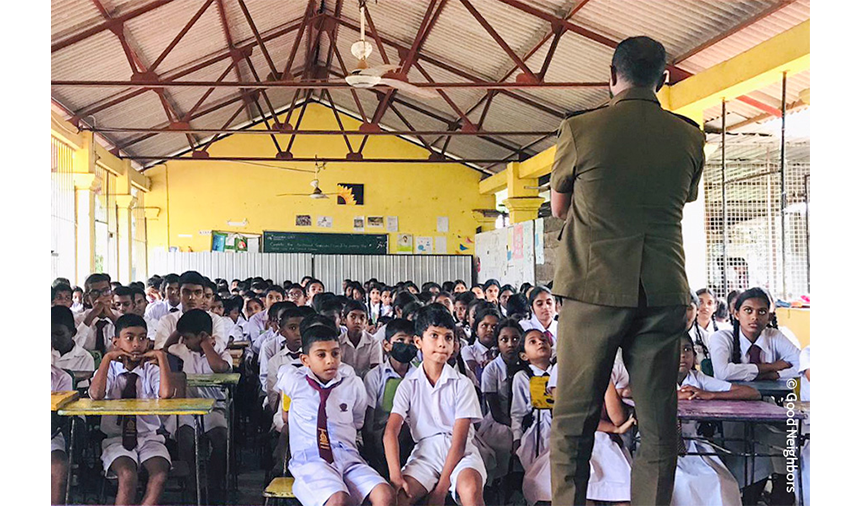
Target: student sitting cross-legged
326	410
440	405
194	345
130	371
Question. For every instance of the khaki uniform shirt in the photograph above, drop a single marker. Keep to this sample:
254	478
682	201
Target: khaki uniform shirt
631	167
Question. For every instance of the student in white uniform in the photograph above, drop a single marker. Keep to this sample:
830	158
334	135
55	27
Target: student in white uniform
439	405
97	326
461	309
531	426
171	301
495	430
374	305
130	371
257	324
610	461
703	480
358	348
542	305
705	324
326	410
804	430
480	353
755	351
60	382
281	326
234	320
123	303
61	295
400	350
194	345
65	352
192	293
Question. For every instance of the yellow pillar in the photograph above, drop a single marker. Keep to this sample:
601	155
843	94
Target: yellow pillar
86	185
124	203
523	201
486	218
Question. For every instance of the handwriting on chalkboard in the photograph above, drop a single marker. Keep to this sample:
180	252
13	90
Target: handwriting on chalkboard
321	243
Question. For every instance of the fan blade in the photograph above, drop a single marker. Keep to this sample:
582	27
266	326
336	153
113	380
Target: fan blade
292	195
379	70
409	88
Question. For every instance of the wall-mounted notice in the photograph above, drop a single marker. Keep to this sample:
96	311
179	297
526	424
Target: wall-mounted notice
441	245
324	221
404	243
424	245
391	223
358	223
441	223
375	222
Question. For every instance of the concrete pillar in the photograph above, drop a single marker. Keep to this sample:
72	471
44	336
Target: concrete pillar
124	203
86	186
523	201
486	218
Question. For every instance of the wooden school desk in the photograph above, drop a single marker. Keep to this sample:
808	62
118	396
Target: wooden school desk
226	382
196	407
777	389
749	413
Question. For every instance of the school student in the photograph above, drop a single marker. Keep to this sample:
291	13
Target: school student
139	298
483	350
543	310
312	288
192	295
705	324
77	306
123	303
504	296
495	430
276	335
170	303
326	410
99	319
65	352
491	291
401	351
374	304
439	405
296	294
257	322
460	286
252	306
358	347
60	382
703	480
386	297
194	345
130	371
61	295
234	320
461	308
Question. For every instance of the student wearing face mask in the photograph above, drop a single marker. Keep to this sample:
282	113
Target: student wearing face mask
381	382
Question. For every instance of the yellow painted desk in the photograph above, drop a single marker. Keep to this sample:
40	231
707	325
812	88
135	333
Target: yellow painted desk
60	399
197	407
226	382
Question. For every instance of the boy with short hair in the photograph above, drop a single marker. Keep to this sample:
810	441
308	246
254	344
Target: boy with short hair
61	295
258	323
98	321
130	371
170	302
77	300
65	352
440	405
312	288
192	293
398	346
60	382
296	294
194	345
123	303
327	405
140	302
358	348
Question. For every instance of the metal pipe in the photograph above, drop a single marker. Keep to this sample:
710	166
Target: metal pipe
444	133
806	226
314	159
314	85
725	209
782	199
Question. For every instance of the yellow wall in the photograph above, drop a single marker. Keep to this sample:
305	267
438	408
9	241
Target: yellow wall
797	320
200	195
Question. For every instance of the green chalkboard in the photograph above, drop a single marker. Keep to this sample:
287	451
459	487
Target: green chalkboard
306	242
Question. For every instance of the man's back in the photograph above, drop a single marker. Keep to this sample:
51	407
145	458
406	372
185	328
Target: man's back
631	167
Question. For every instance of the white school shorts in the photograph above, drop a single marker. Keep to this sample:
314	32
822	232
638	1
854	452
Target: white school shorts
148	446
427	459
217	418
58	443
316	480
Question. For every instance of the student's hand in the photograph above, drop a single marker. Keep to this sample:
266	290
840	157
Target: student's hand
117	355
400	486
208	343
625	393
437	496
779	365
767	376
626	425
152	356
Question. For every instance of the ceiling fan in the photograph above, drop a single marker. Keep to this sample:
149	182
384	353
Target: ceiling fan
315	183
367	77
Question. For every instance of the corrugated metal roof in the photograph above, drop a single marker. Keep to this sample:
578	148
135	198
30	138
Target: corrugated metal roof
457	40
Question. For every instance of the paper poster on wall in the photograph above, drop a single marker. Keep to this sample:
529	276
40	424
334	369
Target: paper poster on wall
375	222
219	241
303	220
441	223
358	223
441	245
324	221
230	241
509	244
350	194
424	245
391	223
404	243
539	256
517	245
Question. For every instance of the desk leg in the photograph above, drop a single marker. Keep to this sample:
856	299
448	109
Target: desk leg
752	444
799	474
197	429
746	455
229	406
71	458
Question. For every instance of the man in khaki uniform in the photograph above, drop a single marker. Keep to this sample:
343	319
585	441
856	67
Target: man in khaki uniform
621	177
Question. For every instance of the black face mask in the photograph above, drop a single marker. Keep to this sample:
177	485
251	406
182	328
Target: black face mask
403	352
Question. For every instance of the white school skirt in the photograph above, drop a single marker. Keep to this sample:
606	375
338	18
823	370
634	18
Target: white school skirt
609	480
499	439
703	480
534	441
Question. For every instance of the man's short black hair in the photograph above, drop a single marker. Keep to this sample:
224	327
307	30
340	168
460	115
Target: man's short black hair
317	333
465	298
640	61
194	321
412	308
276	288
154	282
61	315
124	291
61	281
92	279
297	287
169	280
436	315
398	325
136	290
60	288
353	305
128	320
191	278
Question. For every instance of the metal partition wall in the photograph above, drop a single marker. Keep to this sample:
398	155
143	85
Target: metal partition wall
331	269
63	244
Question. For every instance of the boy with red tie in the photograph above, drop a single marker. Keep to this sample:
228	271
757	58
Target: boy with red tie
99	318
129	371
327	407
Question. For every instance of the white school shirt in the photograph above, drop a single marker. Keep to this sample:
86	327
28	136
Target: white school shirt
374	383
284	357
60	380
256	325
774	346
195	362
258	342
430	410
167	325
521	401
698	333
272	345
158	310
802	368
86	336
477	352
702	381
77	359
363	357
493	382
379	336
236	331
148	383
534	323
345	408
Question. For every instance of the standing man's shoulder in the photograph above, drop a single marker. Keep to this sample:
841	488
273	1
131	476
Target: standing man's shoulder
578	115
694	127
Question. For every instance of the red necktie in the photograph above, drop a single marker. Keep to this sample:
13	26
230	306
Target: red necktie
755	354
323	441
129	422
100	335
549	337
